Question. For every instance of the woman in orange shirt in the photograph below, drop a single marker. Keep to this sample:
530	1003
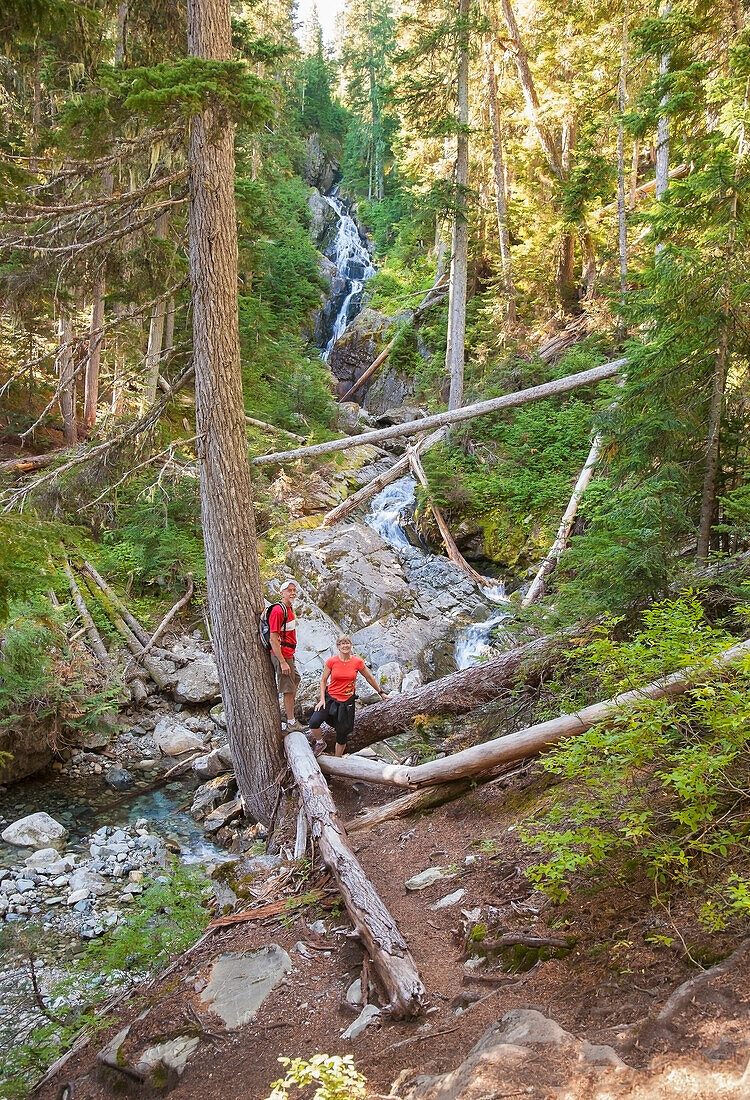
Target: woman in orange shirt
336	706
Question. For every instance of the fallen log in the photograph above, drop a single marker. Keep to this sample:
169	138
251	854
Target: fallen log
528	742
93	635
182	602
454	554
457	693
424	799
536	589
454	416
372	922
142	635
398	469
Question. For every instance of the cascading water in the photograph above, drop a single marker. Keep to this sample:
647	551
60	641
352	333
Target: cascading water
390	510
352	260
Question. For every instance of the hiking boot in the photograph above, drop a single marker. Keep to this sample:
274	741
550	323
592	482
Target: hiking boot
294	726
319	747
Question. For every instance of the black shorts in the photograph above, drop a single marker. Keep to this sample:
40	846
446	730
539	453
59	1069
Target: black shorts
338	714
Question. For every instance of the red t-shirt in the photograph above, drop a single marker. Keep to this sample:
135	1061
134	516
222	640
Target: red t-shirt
287	634
343	675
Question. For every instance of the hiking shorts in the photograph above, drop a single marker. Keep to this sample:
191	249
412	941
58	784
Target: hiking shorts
286	682
336	713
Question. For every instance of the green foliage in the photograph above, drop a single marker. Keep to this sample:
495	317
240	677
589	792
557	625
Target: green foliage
661	786
156	540
335	1078
45	683
166	919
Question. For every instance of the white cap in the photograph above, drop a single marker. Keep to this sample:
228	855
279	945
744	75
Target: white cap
285	584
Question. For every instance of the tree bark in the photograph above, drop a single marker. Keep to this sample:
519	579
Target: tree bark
662	128
457	693
500	186
438	420
622	95
536	589
156	328
456	341
65	370
233	575
372	922
528	742
91	376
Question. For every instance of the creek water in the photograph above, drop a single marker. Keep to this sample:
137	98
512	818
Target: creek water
349	254
391	516
83	805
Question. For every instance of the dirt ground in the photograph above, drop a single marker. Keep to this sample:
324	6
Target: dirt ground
624	959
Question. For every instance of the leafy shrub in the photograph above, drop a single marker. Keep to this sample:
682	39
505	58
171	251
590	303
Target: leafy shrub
335	1078
663	786
45	683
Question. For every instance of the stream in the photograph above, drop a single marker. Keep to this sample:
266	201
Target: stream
391	516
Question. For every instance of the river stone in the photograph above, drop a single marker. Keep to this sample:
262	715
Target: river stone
424	879
222	815
212	764
90	881
37	830
119	779
239	983
42	857
198	681
212	793
172	738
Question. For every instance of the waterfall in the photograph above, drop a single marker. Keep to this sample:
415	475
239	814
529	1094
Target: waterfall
352	260
389	513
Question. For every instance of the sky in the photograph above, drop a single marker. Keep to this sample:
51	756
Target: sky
327	11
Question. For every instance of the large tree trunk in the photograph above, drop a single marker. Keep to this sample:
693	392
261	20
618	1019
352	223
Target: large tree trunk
233	575
662	128
93	362
156	328
66	374
528	742
438	420
455	694
372	922
500	186
621	211
455	346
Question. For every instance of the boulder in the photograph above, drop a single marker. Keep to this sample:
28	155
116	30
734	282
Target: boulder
406	607
119	779
198	681
37	830
212	764
390	677
411	681
320	168
172	738
27	752
357	348
322	219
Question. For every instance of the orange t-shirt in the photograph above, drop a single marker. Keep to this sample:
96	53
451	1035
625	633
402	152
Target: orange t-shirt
343	675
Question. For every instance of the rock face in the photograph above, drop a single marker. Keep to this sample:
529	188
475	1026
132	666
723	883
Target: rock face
35	831
320	169
506	1061
28	753
359	346
406	609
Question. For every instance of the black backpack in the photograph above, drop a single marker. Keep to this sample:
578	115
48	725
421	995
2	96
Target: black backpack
265	628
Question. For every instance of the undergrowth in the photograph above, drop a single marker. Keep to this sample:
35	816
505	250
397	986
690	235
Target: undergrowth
664	785
165	920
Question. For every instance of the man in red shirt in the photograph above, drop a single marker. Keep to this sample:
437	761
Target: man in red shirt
336	706
283	640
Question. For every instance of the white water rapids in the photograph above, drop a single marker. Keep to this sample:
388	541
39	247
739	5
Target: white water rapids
390	510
